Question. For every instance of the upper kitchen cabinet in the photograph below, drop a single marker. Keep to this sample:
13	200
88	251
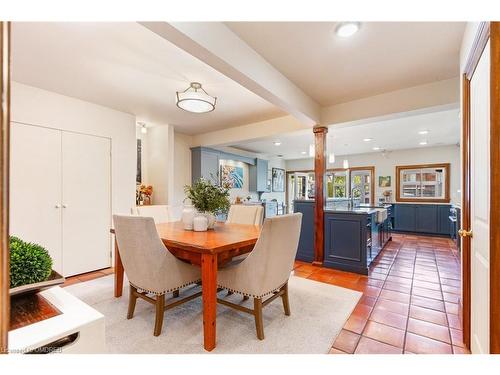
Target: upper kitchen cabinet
205	163
258	176
423	183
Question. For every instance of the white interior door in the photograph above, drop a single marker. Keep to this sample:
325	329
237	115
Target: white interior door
86	199
480	198
35	187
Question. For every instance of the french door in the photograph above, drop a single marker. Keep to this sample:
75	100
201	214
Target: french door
480	203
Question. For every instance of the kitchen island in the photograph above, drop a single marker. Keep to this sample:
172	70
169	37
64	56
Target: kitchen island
353	236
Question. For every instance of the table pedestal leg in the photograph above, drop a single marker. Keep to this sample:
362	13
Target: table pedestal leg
209	289
118	272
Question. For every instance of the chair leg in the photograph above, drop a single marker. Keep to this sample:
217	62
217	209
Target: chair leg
284	298
160	310
257	309
175	294
131	302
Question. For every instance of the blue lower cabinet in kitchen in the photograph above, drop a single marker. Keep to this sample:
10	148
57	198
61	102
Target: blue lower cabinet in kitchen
352	241
422	218
305	251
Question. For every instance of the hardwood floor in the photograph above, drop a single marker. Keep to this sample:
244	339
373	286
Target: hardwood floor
409	303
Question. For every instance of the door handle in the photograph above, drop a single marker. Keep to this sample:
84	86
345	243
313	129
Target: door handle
65	206
465	233
57	206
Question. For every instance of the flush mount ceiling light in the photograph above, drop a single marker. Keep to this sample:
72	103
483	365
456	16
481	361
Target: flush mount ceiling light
423	132
347	29
423	143
277	143
195	99
367	139
376	148
303	152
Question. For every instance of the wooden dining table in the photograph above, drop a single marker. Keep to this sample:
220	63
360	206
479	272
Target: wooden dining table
208	250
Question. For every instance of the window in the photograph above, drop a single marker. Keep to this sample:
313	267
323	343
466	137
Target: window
336	183
360	180
361	185
423	183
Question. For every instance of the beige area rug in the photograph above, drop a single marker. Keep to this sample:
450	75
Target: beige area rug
319	312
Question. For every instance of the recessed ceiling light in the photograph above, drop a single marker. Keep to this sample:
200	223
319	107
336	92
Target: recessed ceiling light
423	132
277	143
376	148
304	152
367	139
423	143
347	29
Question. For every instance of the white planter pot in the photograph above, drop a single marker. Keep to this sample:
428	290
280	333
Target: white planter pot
188	214
200	223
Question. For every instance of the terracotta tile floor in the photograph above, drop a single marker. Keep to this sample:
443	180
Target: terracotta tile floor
409	303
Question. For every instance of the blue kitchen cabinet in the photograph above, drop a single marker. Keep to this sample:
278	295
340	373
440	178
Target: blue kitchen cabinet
405	217
305	251
444	224
258	176
422	218
426	220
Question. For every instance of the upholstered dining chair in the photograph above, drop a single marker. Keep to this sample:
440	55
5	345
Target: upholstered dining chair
160	213
266	270
245	214
151	269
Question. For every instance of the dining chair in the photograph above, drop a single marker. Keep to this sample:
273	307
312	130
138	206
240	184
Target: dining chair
245	214
160	213
151	269
266	270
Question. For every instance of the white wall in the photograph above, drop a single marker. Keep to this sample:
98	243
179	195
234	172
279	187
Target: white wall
182	172
386	165
31	105
166	165
157	153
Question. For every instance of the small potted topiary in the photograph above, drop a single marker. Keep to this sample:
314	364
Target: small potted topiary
30	267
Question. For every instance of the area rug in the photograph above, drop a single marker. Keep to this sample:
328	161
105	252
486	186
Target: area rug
318	313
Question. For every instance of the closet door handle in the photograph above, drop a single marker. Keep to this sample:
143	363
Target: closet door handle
65	206
57	206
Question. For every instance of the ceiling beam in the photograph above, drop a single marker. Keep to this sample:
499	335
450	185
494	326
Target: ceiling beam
216	45
431	95
249	132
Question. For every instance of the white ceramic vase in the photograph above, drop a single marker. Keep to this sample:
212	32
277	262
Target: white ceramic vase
188	214
211	219
200	223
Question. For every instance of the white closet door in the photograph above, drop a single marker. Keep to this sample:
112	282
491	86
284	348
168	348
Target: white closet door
86	165
480	205
35	187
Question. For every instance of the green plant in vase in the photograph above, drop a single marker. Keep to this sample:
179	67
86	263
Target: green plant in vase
29	263
208	198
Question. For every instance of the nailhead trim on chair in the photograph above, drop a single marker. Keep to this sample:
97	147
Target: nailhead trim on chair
251	295
166	291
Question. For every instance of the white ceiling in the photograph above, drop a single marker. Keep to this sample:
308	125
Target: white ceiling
394	134
127	67
381	57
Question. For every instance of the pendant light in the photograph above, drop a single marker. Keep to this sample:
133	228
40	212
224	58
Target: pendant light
196	100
